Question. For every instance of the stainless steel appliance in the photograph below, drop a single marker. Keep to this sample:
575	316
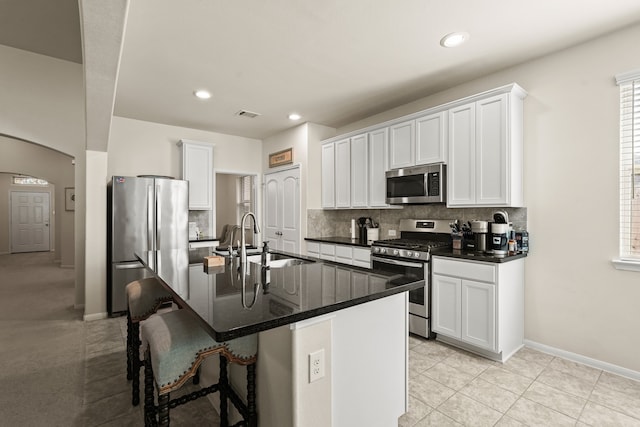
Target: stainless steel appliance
144	213
410	255
417	185
480	229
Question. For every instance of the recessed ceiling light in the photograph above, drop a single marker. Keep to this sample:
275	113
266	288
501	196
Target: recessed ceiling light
454	39
294	116
202	94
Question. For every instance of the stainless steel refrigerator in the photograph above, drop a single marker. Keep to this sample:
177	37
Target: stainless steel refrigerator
144	213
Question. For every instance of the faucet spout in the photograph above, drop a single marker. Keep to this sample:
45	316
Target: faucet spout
256	230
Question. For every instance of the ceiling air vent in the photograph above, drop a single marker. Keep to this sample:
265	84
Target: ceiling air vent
248	114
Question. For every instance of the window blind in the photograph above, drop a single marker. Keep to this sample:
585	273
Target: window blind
629	165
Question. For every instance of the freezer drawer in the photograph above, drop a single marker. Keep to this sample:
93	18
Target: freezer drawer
122	274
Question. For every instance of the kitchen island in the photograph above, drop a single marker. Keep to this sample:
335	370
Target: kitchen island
352	320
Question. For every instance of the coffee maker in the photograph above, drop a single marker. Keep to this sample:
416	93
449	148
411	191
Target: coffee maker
500	233
480	229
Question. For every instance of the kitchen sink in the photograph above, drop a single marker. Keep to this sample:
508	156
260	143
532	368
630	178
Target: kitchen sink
281	261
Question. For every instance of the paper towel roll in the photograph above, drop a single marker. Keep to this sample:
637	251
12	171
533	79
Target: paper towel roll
353	228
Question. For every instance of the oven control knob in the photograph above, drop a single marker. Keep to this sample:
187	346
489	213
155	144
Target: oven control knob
376	250
409	253
396	252
417	255
383	251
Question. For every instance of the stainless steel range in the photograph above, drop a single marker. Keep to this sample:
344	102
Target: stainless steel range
410	255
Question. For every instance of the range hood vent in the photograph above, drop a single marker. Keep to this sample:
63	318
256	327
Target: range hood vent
248	114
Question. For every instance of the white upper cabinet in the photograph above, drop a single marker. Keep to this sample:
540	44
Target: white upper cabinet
431	139
486	152
343	173
197	168
402	145
378	164
359	171
328	176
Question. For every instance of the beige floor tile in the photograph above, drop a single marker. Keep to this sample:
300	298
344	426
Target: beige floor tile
514	383
435	349
419	362
468	411
507	421
558	400
449	376
437	419
535	414
429	391
617	400
597	415
469	363
414	341
533	355
417	411
489	394
566	382
578	370
616	382
524	367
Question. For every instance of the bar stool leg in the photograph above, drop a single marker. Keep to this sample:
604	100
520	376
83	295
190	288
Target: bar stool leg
163	410
224	383
251	395
135	363
129	350
149	411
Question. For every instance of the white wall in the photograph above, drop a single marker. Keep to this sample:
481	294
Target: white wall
575	300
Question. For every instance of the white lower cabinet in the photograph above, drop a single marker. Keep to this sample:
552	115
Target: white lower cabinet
345	254
479	306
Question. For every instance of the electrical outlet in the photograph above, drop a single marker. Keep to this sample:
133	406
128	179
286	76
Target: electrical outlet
392	233
316	365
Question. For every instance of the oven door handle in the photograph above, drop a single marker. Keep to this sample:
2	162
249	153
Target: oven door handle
397	262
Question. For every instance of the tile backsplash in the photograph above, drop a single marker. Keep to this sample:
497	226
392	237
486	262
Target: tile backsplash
337	222
201	218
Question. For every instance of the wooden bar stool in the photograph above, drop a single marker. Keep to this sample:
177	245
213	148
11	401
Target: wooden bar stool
144	298
175	345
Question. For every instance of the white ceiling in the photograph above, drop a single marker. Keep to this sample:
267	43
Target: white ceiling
332	61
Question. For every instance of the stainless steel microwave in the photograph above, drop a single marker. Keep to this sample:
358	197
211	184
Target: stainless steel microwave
417	185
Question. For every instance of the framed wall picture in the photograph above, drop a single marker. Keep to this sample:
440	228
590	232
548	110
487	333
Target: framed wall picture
280	158
69	199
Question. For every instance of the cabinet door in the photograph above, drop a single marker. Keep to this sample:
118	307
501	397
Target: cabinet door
359	171
328	176
461	170
402	145
492	158
431	139
446	306
197	168
479	314
378	147
343	174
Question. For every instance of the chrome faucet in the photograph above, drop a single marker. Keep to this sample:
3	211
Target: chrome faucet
256	230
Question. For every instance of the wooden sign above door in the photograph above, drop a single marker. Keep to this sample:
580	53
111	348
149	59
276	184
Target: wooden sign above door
280	158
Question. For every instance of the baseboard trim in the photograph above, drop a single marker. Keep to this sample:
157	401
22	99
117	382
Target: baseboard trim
66	265
95	316
574	357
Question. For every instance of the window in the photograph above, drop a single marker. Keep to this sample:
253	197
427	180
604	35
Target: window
629	171
29	180
245	192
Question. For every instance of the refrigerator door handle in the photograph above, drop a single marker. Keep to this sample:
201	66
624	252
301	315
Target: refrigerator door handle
128	265
150	219
158	218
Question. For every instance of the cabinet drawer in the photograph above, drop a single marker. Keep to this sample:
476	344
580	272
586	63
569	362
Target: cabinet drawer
326	249
313	247
343	251
360	254
464	269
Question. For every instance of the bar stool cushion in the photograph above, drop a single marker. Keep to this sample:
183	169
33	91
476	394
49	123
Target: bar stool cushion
178	344
144	297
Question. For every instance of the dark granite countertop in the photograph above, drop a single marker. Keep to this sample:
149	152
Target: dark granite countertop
339	241
204	239
476	256
270	298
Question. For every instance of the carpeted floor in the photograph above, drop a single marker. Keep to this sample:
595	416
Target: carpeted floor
55	369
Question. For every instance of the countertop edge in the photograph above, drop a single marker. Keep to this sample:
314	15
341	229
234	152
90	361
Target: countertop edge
473	256
338	241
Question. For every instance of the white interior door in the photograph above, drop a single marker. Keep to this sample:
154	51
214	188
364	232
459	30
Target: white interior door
29	221
282	210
